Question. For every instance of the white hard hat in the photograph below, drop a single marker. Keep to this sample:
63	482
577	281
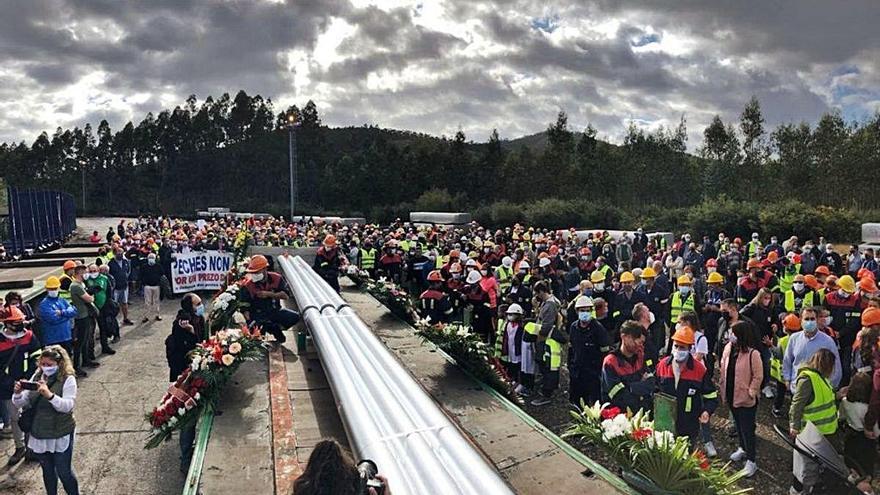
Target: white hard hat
514	309
524	264
583	302
471	262
474	277
507	261
544	262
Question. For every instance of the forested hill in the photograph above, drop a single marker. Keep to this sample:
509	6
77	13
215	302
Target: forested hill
233	151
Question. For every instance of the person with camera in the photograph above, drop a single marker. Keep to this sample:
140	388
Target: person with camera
332	471
187	331
47	401
18	350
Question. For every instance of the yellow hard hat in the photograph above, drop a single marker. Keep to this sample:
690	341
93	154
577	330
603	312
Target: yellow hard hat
648	273
847	283
53	283
715	278
597	276
627	277
684	280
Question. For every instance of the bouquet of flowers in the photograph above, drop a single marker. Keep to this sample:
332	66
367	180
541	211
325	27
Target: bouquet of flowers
213	362
356	275
396	299
224	307
469	352
651	461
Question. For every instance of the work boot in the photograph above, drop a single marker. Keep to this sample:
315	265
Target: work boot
17	456
127	322
108	350
81	373
158	318
145	319
91	364
541	400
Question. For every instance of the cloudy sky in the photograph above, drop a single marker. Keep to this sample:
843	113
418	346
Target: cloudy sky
436	66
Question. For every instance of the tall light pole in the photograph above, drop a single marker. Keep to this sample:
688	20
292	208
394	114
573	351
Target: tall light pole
82	170
291	128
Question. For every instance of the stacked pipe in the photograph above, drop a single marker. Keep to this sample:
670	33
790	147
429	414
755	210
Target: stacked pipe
388	417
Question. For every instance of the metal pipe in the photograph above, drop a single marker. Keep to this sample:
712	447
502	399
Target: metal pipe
387	415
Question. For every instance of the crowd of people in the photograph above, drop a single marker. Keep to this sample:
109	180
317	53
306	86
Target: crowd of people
627	316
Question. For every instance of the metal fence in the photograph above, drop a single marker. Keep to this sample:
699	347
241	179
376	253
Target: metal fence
37	218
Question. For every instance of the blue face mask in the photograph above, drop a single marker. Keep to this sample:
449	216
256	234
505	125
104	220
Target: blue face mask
584	316
685	290
200	310
809	326
588	292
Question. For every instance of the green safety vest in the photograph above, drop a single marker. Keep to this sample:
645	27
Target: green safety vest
822	411
679	306
776	361
821	293
787	278
504	275
62	293
368	258
790	305
606	270
753	248
404	245
553	354
500	351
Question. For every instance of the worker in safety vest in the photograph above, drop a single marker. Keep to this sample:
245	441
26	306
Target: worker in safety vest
684	299
551	338
434	304
686	378
528	362
790	324
813	401
66	279
845	307
509	341
504	274
367	261
753	248
798	297
19	352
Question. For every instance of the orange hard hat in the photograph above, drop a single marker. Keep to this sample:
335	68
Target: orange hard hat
330	240
823	270
772	257
870	317
258	262
867	284
68	265
11	314
684	335
811	281
864	272
554	250
454	254
791	322
435	276
753	263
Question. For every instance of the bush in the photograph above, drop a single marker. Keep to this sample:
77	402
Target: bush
552	213
734	218
439	200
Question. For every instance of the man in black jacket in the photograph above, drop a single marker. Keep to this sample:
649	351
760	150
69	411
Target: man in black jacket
589	345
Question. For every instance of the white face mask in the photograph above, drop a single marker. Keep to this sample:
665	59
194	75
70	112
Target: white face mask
797	286
680	355
651	318
511	317
599	287
257	277
52	293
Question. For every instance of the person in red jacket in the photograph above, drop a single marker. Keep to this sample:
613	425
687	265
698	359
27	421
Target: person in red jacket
19	349
434	303
263	291
686	379
328	262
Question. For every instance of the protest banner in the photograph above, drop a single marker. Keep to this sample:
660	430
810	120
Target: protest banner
199	270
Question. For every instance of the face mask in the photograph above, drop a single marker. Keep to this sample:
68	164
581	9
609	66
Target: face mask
52	293
511	317
151	261
257	277
810	326
200	310
651	318
680	355
483	272
49	370
584	316
711	269
828	320
588	292
599	287
685	290
842	293
797	286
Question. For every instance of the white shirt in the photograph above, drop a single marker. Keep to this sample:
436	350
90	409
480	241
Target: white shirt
701	344
61	404
511	342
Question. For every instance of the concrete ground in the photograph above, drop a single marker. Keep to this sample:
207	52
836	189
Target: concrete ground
109	457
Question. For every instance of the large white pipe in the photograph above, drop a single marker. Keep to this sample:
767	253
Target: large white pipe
388	417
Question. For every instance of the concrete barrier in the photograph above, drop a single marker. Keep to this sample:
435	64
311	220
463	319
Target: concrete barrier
442	218
871	233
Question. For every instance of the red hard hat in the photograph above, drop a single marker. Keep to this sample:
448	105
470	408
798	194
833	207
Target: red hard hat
11	314
711	262
435	276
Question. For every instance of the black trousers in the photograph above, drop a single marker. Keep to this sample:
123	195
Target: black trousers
744	417
584	387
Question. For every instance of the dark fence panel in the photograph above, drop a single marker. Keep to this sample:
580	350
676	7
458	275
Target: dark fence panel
37	218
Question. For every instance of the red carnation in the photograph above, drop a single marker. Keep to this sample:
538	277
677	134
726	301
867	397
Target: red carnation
704	462
642	434
610	412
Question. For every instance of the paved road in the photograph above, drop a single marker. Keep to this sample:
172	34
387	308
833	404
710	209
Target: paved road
109	457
